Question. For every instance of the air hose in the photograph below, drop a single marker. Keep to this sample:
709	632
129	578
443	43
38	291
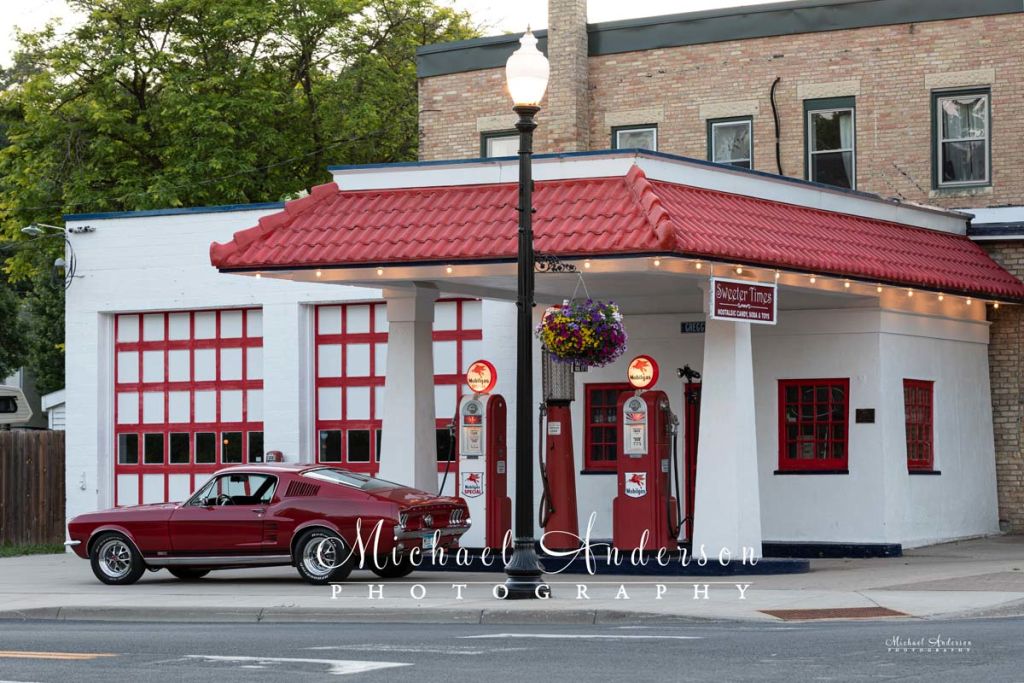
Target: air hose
546	508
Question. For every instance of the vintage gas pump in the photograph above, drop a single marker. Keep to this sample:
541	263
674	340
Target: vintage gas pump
691	436
482	454
646	465
557	513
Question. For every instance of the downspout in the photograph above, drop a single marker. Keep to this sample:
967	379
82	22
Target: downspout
775	113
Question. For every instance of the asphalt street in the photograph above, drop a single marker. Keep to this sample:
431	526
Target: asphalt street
905	650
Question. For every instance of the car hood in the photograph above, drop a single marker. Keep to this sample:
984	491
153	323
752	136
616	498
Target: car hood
130	510
406	496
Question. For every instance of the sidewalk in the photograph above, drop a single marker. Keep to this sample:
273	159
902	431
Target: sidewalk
982	577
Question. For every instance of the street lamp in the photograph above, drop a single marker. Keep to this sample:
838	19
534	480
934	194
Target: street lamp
527	76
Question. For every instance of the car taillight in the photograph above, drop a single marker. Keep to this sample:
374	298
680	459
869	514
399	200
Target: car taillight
455	518
403	519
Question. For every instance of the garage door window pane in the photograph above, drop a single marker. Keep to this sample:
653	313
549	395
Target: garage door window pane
359	445
231	447
206	448
179	448
128	449
255	446
153	446
330	445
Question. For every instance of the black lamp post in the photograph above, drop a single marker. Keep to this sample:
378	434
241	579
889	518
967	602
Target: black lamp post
527	76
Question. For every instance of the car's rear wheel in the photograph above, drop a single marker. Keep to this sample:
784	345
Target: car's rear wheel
115	561
321	556
187	573
389	569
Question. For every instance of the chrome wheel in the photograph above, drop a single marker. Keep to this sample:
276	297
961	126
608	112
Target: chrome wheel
321	556
115	558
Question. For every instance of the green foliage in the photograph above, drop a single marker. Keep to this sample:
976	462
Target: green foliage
190	102
31	549
12	332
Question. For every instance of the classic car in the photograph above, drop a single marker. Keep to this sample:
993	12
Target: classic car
323	520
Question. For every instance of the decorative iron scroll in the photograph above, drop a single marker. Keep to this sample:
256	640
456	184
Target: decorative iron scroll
545	263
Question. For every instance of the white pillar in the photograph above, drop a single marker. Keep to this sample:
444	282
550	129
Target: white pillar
727	504
408	442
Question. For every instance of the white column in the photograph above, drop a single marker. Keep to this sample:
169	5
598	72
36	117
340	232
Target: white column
727	504
408	443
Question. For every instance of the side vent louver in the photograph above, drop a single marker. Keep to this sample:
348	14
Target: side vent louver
301	488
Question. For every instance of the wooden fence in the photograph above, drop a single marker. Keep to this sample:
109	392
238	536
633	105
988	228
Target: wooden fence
31	487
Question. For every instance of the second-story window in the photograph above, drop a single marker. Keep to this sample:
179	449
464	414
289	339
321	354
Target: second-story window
730	141
831	141
635	137
499	144
961	138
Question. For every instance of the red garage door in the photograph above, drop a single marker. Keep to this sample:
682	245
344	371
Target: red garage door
188	398
351	357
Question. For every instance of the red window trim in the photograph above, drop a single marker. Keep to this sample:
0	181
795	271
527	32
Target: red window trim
192	428
374	424
814	464
589	464
927	464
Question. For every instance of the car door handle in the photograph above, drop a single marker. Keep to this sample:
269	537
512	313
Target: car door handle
260	511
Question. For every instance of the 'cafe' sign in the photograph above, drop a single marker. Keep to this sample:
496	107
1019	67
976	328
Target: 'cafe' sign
741	301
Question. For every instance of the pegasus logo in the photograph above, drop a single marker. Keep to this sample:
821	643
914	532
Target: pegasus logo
638	479
473	478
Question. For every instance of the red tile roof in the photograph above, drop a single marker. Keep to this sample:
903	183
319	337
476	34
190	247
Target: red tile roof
620	215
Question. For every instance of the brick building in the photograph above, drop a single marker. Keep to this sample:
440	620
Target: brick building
920	102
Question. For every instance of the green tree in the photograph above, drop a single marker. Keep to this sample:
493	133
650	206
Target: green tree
191	102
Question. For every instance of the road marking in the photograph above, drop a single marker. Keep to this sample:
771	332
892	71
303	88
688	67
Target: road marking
25	654
456	650
335	667
582	636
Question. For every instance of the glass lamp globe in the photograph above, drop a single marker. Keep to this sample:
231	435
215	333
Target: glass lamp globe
527	73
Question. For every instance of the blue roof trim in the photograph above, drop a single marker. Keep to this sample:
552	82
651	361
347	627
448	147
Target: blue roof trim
658	155
221	208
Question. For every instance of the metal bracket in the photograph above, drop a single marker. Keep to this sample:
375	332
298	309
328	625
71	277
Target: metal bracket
545	263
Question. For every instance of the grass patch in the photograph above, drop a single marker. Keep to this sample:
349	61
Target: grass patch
31	549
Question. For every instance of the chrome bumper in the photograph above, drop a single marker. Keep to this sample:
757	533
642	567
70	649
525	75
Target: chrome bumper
72	544
427	533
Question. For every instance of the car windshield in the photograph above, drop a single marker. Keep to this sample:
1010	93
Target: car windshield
353	479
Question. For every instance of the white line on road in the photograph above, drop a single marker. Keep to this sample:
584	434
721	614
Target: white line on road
582	636
336	667
456	650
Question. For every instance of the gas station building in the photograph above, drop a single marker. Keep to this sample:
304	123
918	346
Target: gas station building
338	328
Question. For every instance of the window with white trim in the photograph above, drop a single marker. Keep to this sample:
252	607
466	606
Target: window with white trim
635	137
499	144
731	141
831	141
962	142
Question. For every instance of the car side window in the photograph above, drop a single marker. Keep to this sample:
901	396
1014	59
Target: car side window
237	489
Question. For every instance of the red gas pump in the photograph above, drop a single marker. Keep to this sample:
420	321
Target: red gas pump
557	513
691	436
481	452
645	466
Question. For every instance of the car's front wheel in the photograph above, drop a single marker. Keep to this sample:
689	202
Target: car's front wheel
187	573
115	561
389	569
321	556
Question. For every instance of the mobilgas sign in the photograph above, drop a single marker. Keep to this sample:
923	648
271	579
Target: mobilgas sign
741	301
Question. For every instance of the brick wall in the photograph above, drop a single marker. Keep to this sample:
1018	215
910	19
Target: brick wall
889	69
1005	366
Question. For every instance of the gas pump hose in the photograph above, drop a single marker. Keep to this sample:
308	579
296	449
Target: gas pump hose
451	457
673	469
546	508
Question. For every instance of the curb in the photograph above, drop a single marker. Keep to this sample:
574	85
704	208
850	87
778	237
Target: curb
286	615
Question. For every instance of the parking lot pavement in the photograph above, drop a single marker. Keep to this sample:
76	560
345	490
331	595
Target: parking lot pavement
984	576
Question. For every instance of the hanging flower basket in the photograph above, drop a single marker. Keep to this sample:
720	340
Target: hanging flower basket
587	334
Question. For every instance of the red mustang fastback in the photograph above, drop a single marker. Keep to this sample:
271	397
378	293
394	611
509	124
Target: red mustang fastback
323	520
